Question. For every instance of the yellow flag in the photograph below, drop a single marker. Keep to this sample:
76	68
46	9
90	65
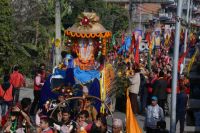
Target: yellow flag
192	61
52	41
57	43
132	125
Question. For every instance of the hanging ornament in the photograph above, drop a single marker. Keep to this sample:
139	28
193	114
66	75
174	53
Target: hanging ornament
57	43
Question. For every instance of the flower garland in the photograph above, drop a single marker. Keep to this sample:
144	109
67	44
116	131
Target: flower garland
89	35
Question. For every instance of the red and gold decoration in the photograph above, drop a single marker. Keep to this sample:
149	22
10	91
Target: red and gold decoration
87	37
88	26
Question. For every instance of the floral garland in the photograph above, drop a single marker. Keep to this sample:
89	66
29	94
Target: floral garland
90	35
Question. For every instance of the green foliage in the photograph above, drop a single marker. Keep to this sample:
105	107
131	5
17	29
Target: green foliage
6	32
113	17
27	27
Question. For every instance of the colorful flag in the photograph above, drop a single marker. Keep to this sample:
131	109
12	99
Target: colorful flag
149	61
113	40
123	38
132	42
192	61
132	125
138	39
181	58
137	55
148	38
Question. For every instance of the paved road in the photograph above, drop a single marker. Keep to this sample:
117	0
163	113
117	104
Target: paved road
27	92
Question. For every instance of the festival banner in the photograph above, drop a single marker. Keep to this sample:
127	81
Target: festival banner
132	125
138	39
192	61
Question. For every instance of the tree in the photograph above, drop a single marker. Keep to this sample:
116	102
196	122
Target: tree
113	17
6	32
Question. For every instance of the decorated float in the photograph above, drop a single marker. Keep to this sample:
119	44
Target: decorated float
84	68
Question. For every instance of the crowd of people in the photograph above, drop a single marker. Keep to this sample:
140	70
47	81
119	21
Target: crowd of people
25	116
149	92
150	87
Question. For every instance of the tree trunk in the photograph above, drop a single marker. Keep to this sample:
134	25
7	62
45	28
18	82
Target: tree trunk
57	56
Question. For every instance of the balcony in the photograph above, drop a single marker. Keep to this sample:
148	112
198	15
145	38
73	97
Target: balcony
144	18
165	16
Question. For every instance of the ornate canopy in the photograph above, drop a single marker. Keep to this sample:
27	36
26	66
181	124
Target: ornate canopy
88	26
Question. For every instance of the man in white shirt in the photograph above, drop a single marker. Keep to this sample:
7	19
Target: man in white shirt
134	90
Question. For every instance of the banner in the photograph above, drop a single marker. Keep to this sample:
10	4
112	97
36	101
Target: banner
192	61
132	125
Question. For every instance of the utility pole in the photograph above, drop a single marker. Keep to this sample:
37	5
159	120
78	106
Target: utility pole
130	17
175	67
186	29
57	56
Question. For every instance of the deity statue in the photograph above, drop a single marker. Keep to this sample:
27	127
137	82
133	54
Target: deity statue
85	52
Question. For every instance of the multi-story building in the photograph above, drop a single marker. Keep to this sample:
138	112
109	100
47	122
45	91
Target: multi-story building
143	10
167	13
122	3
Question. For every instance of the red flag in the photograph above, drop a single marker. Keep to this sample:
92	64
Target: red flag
148	38
181	58
123	38
137	56
132	42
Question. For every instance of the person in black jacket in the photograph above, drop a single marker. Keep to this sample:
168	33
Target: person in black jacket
143	92
159	90
181	103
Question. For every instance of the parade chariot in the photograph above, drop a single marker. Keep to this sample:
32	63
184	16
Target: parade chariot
84	72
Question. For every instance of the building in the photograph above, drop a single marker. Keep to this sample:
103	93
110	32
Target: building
167	14
122	3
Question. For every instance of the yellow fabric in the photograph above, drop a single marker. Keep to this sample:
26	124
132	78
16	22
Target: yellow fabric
102	90
192	61
132	125
57	43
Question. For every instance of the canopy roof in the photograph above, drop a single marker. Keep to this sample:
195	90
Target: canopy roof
88	26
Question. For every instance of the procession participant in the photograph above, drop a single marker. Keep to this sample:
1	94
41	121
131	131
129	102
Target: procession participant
134	89
66	125
37	88
17	80
23	119
100	124
159	90
154	114
91	109
6	94
43	72
182	99
117	126
82	121
45	125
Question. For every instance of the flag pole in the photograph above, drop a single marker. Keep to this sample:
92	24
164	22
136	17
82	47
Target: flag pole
186	29
175	68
